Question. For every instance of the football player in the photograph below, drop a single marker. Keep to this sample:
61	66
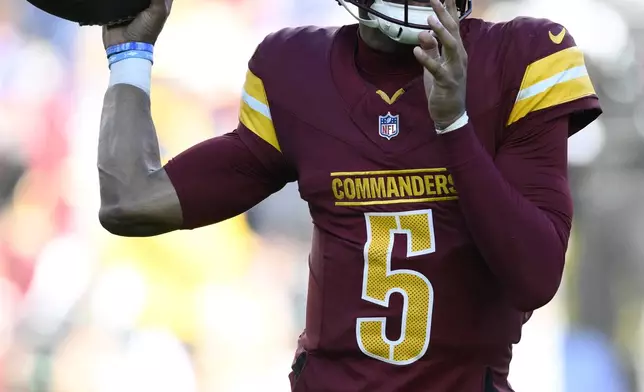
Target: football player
431	150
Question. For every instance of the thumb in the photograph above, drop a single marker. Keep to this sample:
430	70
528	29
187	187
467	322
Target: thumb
166	5
429	43
428	82
428	53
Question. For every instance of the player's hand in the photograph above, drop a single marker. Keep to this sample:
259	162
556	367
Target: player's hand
446	69
145	28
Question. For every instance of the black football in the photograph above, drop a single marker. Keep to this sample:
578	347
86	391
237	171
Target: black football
93	12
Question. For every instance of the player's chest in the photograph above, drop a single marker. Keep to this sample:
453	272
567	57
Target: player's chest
383	151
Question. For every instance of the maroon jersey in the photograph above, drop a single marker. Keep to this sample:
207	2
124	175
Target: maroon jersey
411	288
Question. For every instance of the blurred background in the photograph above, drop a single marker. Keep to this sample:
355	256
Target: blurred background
219	309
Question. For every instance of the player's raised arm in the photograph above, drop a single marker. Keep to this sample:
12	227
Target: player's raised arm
517	204
213	181
137	197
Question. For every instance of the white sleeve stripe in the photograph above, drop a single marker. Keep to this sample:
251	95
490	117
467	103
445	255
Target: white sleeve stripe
256	105
544	85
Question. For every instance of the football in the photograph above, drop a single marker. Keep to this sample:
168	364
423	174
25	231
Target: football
93	12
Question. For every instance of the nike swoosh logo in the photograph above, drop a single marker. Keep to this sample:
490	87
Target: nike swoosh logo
558	39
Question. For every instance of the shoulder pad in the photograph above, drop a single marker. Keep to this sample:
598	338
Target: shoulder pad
274	72
288	45
533	39
544	68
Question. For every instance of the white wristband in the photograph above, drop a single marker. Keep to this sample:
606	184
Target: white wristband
133	71
460	123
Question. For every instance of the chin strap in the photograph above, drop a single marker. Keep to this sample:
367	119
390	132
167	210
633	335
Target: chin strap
395	31
367	22
404	35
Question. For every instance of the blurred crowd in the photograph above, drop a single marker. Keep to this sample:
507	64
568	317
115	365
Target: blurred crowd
220	308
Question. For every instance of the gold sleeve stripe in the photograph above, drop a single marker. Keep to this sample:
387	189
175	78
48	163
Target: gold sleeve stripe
554	80
255	113
552	65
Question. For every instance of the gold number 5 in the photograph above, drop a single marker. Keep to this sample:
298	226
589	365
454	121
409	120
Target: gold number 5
380	281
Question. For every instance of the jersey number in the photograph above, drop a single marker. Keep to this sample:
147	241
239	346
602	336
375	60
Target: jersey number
380	281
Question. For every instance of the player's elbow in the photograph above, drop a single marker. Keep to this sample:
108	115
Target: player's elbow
147	207
116	220
538	289
529	302
129	222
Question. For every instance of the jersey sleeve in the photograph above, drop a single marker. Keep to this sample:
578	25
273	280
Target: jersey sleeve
257	111
548	75
225	176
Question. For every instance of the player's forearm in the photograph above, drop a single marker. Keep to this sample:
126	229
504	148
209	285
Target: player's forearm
136	197
518	241
128	149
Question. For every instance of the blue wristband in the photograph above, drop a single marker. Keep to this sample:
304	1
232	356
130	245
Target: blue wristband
130	54
142	46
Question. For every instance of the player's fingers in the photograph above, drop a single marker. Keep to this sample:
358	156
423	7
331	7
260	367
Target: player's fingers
452	9
450	44
445	18
431	64
161	5
429	44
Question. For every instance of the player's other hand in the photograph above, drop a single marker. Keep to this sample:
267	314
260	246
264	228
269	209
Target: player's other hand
446	69
145	28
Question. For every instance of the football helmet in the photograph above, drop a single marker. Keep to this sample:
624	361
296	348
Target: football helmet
401	20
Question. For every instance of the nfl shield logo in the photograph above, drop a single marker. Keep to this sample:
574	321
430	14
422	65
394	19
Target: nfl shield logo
389	126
